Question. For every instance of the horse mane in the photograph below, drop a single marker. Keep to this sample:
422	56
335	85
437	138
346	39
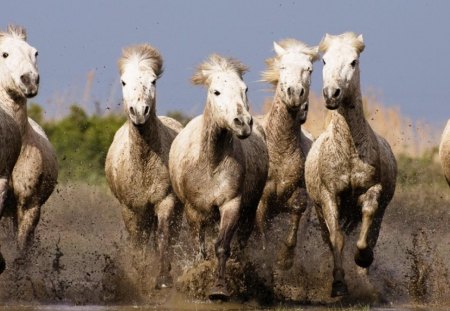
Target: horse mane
217	63
272	74
14	31
142	53
349	37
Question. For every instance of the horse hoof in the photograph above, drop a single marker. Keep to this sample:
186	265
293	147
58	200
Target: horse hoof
339	289
364	258
164	281
2	264
219	292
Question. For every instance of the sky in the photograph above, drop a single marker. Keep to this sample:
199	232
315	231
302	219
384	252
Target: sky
406	61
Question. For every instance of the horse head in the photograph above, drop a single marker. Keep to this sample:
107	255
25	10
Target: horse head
18	63
341	66
140	66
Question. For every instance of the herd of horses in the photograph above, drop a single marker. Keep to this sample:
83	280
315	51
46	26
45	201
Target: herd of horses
225	165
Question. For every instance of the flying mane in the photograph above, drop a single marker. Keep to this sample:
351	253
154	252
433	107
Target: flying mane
351	37
216	63
15	32
272	73
144	55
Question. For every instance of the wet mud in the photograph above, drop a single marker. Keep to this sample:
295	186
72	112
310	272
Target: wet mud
81	257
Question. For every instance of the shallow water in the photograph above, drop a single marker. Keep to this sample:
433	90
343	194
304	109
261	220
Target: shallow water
81	262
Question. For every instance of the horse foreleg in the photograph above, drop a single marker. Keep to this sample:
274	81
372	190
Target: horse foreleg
165	212
229	218
330	213
3	193
135	225
297	206
370	207
261	214
28	217
197	225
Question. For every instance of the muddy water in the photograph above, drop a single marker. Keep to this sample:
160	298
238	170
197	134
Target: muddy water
81	258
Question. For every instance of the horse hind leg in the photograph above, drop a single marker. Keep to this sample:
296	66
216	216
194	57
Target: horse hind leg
371	223
297	205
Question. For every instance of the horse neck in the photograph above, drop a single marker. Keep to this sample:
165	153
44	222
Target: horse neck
282	127
217	141
16	107
145	139
349	120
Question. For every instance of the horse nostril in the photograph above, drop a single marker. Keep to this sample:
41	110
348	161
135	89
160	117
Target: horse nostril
289	91
238	121
132	111
38	79
250	122
336	93
25	79
146	110
302	92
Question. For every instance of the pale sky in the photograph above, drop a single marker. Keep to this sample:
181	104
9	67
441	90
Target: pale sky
406	60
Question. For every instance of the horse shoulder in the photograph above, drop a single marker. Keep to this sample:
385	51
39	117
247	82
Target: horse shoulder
36	171
184	153
11	142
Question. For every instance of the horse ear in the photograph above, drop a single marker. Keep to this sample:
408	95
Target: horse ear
199	77
360	38
323	45
278	49
361	44
315	53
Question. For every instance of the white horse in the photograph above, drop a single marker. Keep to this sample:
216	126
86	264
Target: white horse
137	161
14	62
285	191
36	170
350	171
217	164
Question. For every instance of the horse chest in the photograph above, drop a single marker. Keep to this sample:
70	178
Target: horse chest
206	188
347	168
144	183
286	175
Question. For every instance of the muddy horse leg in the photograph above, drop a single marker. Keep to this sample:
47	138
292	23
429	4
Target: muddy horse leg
3	193
135	225
196	223
297	205
165	212
229	218
261	214
28	217
336	242
370	227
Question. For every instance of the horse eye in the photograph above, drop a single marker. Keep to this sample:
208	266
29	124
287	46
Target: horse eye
246	90
154	82
123	83
36	54
5	55
217	93
353	63
323	61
